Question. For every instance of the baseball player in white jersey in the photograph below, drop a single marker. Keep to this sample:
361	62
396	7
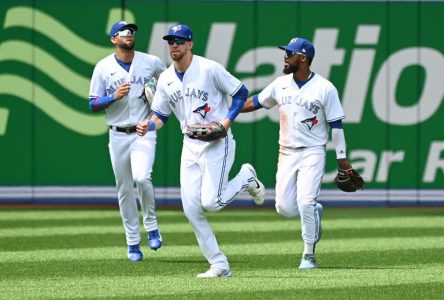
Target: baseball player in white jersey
195	89
308	105
117	86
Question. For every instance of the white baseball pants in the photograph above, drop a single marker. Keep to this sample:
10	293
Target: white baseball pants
204	184
132	159
298	182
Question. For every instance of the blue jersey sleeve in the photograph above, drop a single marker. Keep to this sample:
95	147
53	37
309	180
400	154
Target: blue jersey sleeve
237	103
100	103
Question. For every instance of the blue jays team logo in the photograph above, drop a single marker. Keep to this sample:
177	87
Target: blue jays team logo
202	110
310	122
176	28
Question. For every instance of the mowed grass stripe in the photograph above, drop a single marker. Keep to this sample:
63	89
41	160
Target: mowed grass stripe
72	240
13	218
356	245
183	283
47	227
84	214
38	214
156	265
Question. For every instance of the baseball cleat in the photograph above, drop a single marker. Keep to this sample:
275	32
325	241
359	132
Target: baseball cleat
134	253
154	239
214	273
256	188
308	261
320	209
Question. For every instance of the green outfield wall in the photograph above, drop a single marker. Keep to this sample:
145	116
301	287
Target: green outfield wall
385	58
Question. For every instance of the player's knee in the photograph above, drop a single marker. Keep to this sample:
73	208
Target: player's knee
141	181
306	203
211	203
286	211
193	213
211	207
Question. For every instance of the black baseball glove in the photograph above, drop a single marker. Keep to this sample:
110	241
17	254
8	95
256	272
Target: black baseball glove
349	180
206	132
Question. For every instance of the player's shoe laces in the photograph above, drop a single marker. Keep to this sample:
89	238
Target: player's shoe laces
256	188
134	253
213	273
308	261
320	210
154	239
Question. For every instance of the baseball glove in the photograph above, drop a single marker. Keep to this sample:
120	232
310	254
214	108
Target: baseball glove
149	89
206	132
349	180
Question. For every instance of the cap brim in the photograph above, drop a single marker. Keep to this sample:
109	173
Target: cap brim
173	36
283	47
130	26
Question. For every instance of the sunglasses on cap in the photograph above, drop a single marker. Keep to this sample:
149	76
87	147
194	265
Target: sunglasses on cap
126	32
289	53
178	41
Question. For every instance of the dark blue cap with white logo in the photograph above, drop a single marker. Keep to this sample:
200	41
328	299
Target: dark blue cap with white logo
300	46
121	25
179	31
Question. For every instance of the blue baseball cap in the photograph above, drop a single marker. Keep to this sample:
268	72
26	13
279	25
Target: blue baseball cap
301	46
179	31
121	25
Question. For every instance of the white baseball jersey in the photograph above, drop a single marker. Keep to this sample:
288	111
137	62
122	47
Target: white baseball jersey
107	77
202	95
304	112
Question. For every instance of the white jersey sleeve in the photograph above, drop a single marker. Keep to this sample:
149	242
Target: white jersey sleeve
332	105
160	102
225	81
267	97
97	86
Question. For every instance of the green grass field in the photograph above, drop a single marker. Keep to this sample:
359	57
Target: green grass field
366	253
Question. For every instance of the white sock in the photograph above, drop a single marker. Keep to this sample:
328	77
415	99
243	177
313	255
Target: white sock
308	248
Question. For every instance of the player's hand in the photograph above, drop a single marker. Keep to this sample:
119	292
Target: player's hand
344	164
142	127
226	123
122	91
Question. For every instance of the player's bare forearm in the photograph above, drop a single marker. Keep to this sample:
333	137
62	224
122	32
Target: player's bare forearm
149	125
248	106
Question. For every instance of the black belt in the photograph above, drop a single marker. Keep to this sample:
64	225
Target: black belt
127	130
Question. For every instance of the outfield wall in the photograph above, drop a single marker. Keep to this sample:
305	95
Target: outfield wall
385	58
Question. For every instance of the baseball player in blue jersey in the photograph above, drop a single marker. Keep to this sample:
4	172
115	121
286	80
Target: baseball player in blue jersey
195	89
116	87
308	107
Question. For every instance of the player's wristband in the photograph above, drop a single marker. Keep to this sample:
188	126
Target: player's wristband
256	103
151	125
